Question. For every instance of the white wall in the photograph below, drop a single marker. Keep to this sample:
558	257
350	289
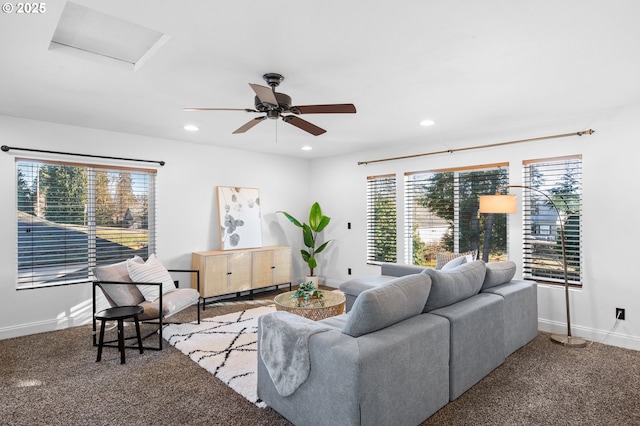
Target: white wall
187	208
187	211
610	205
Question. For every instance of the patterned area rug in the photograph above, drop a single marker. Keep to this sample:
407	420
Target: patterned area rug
225	346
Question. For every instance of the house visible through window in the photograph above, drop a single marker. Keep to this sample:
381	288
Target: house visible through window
441	214
381	219
561	180
72	217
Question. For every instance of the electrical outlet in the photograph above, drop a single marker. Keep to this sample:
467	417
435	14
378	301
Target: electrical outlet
620	313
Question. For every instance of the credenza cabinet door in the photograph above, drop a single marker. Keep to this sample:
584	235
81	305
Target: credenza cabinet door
282	266
271	267
239	272
215	277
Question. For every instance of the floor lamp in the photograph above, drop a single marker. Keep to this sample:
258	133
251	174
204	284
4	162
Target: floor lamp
506	203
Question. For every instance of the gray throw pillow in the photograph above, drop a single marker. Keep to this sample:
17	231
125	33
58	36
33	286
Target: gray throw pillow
442	258
454	285
499	273
454	263
380	307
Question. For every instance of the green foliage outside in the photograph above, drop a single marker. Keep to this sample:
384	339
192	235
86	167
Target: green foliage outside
485	233
382	223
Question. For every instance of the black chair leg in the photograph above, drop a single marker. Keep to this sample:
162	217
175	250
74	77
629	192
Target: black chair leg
121	340
135	318
101	341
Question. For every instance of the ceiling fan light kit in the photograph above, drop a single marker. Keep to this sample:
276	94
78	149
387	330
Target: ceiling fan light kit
279	105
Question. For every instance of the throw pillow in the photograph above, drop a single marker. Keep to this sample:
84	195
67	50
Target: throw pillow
118	294
454	285
443	258
152	271
454	263
499	273
383	306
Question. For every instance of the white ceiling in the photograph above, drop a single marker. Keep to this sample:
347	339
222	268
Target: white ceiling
474	67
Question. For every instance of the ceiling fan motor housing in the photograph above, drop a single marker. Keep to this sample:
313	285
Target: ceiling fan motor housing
284	105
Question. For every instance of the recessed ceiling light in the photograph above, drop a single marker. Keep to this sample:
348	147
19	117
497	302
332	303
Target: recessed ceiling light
191	128
306	148
427	123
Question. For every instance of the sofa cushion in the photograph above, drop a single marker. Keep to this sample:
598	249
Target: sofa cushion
152	271
442	258
381	307
498	273
119	294
454	285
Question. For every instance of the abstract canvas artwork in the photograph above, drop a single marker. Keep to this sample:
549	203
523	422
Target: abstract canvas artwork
239	213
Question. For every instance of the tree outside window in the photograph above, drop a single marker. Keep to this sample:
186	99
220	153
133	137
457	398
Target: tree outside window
73	217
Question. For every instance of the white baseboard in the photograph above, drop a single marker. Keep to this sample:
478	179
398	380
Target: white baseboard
39	327
605	337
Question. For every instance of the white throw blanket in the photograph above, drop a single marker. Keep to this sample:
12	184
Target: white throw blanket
284	348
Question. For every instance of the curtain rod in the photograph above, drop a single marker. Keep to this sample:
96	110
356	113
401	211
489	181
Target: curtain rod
6	148
451	151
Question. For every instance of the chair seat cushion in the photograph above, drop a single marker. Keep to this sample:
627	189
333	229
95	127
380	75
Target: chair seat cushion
173	302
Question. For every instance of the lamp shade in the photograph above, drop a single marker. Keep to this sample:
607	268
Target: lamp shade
498	203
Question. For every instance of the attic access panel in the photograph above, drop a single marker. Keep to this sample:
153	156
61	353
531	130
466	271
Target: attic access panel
90	31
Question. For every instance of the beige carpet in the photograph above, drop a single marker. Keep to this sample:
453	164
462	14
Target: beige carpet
53	379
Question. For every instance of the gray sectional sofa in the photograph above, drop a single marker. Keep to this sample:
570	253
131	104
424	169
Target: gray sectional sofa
413	340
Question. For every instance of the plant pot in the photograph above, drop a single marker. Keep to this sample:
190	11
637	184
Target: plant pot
312	278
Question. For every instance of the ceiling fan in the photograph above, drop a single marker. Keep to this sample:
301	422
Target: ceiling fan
278	105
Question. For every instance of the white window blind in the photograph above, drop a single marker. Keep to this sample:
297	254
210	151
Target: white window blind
72	217
561	180
381	219
441	213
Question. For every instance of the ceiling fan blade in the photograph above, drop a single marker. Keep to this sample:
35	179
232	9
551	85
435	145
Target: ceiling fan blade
219	109
248	125
303	124
324	109
265	94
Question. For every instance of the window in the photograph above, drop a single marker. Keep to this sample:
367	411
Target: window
381	219
441	213
561	180
72	217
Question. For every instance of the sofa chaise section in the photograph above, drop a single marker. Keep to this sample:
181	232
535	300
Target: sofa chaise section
380	373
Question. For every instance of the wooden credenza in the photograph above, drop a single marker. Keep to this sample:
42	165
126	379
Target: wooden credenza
234	271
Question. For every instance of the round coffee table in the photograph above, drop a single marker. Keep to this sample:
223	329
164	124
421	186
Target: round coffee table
331	305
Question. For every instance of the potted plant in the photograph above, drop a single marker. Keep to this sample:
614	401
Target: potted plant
307	294
317	222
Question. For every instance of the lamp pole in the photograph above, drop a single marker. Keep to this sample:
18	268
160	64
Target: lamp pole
567	340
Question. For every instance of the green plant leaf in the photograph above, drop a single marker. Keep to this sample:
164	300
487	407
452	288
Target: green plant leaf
324	221
307	235
291	219
305	255
322	247
315	216
312	263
